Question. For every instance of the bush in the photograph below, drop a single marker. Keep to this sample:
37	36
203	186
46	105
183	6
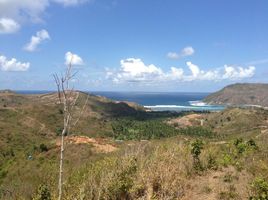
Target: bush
43	148
197	146
259	189
227	159
241	148
43	193
212	163
238	141
252	143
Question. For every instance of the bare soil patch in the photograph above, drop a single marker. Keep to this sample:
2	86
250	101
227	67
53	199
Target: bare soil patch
188	120
99	145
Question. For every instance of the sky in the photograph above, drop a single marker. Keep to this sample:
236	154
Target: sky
133	45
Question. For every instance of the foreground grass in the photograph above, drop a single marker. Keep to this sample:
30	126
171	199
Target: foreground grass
156	169
166	170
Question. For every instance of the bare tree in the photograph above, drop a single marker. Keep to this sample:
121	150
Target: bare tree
67	98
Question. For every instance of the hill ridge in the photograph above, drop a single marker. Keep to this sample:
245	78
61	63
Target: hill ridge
241	94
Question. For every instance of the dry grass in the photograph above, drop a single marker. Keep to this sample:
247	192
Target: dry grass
186	121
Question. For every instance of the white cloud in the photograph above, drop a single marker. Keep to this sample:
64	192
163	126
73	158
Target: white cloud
238	72
74	59
36	40
187	51
134	70
175	73
8	25
22	11
194	69
13	64
173	55
198	74
70	2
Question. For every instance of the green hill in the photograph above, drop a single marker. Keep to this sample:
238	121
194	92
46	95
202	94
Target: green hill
241	94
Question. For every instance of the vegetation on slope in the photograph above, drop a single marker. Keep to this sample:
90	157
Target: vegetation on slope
241	94
226	158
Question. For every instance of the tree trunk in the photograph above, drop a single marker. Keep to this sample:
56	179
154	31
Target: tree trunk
61	163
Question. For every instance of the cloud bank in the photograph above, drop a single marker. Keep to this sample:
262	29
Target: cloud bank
135	70
13	64
36	40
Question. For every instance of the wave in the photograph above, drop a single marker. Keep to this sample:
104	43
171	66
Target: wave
168	106
194	107
198	104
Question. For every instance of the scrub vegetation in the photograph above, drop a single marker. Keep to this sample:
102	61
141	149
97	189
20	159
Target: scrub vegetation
147	157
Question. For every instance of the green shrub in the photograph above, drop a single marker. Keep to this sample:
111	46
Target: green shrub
226	159
197	146
43	148
259	189
238	141
43	193
212	163
241	148
252	143
58	131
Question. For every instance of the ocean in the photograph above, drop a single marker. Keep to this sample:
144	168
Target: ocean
165	101
157	101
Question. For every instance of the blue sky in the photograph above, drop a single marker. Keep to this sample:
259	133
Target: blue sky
133	45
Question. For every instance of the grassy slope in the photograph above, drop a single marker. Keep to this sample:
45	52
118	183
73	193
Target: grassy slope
27	121
240	94
159	169
163	169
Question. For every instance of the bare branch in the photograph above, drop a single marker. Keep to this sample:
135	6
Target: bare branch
68	98
82	111
57	81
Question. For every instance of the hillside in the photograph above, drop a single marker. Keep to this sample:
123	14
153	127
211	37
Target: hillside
241	94
121	152
30	126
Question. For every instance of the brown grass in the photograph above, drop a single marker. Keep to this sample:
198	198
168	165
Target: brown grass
188	120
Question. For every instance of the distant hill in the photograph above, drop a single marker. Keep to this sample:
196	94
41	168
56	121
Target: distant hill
241	94
6	91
